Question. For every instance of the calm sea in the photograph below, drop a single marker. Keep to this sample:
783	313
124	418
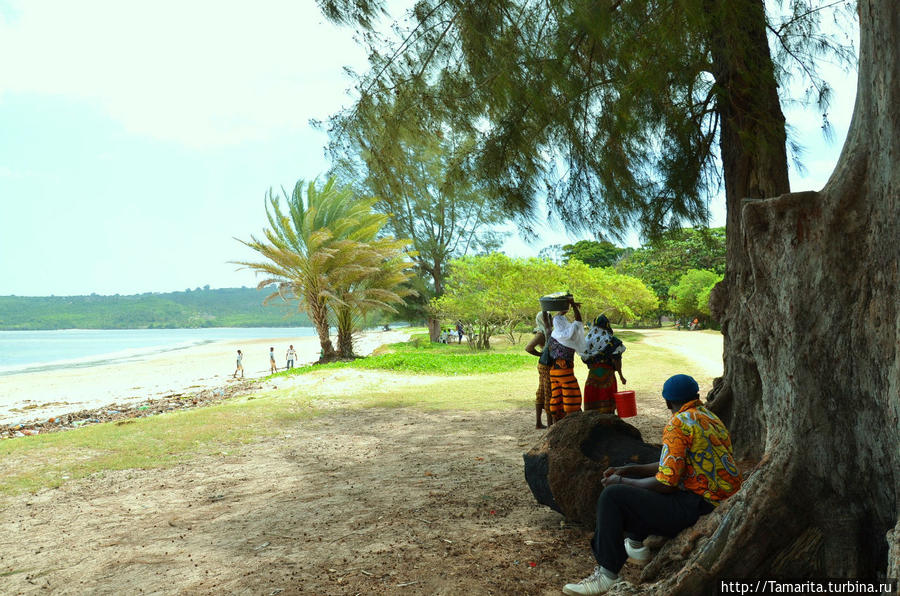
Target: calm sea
29	351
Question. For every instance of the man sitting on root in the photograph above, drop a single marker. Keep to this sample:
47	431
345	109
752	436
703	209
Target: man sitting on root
696	471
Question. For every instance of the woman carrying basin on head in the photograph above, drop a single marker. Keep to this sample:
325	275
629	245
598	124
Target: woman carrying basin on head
566	339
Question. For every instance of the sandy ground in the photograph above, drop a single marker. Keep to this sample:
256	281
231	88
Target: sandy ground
40	395
370	501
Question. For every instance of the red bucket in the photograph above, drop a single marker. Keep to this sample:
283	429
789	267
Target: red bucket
625	404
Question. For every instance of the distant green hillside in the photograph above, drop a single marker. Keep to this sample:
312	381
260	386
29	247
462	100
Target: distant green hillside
227	307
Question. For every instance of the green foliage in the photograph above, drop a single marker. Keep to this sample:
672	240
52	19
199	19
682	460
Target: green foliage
690	297
663	261
621	298
703	300
226	307
435	363
494	292
595	254
482	295
615	108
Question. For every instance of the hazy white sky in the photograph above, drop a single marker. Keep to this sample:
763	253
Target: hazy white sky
138	138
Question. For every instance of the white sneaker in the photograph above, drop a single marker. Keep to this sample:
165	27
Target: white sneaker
636	551
594	584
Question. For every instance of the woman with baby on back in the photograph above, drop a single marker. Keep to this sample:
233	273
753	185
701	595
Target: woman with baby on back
603	357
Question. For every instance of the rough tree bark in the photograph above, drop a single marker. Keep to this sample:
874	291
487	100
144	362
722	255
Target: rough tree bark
754	163
821	297
319	315
344	319
434	328
435	270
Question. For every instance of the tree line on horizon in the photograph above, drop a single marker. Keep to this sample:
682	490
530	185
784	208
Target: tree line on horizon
203	307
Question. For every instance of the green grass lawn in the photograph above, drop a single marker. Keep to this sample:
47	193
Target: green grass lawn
416	374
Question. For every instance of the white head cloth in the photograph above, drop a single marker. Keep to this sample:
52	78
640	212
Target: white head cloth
569	334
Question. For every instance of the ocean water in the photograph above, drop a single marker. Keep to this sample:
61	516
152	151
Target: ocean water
31	351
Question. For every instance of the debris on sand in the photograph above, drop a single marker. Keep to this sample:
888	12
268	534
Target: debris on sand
123	414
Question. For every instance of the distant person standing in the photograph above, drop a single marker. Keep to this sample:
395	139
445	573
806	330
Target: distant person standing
459	330
290	357
240	365
273	368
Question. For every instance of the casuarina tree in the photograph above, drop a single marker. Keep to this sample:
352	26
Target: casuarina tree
423	183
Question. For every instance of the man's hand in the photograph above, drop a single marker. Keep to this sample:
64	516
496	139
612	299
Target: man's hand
612	479
609	472
621	378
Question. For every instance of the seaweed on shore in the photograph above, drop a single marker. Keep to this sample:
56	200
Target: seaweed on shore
121	414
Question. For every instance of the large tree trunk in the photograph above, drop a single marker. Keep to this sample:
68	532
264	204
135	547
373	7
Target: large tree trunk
754	162
318	312
437	276
434	328
822	309
344	317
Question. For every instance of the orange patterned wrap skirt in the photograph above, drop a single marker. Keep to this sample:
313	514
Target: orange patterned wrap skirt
566	394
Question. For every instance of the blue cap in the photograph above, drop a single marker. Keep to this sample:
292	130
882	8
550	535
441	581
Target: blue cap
680	388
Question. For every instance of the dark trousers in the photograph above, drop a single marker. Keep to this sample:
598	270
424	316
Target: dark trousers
637	513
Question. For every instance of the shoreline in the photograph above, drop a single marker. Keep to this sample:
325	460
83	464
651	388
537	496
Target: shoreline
78	348
33	398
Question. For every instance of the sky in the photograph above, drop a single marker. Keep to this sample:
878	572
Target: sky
138	139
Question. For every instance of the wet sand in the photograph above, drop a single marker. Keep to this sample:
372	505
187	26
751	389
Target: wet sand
40	395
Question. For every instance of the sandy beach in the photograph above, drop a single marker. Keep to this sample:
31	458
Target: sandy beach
40	395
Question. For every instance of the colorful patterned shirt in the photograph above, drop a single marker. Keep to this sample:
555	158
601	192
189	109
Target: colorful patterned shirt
696	454
561	352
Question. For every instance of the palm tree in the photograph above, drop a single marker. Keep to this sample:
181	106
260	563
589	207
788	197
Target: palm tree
377	280
324	250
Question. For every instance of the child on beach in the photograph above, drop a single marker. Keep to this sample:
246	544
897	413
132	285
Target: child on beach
290	357
240	366
272	366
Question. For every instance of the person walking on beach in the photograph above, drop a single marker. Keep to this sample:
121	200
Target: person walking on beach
290	357
273	368
240	365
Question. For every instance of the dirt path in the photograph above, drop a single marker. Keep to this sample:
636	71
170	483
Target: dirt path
354	502
693	345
